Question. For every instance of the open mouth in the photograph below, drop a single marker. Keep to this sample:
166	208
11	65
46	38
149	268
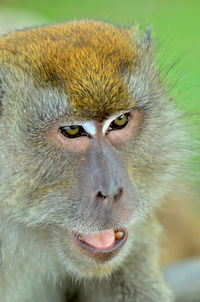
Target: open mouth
101	242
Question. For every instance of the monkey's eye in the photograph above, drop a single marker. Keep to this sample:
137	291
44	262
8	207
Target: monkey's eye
73	131
120	122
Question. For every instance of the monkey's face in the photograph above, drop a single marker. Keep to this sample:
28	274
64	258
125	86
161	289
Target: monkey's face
102	197
86	134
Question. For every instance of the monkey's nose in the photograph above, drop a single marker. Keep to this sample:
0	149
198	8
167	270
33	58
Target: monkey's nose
101	196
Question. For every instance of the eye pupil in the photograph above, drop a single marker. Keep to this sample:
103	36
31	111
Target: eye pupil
120	117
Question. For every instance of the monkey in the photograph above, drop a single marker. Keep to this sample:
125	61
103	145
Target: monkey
90	143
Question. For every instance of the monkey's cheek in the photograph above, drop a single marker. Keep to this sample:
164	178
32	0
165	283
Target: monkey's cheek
101	253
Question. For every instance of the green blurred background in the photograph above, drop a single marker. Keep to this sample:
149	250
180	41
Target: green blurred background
175	25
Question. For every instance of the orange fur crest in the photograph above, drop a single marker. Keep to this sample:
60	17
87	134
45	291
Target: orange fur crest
87	59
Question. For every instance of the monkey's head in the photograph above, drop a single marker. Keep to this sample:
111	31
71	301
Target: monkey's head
89	141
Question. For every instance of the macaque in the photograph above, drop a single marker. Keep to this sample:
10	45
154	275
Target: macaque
89	145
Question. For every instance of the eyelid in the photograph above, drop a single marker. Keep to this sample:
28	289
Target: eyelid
111	119
89	127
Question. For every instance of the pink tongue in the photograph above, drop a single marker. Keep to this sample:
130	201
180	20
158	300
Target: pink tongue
100	240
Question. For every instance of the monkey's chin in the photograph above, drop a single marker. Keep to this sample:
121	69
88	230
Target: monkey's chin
101	246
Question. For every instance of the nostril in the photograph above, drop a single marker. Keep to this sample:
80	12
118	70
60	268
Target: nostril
101	195
119	194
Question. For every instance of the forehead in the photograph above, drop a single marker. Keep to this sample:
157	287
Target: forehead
88	60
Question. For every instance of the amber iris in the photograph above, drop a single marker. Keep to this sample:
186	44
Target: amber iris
120	122
72	131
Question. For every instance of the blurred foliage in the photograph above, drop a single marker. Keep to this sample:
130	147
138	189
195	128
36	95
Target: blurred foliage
175	24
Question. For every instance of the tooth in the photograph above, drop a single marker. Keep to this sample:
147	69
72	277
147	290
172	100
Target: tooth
80	238
119	235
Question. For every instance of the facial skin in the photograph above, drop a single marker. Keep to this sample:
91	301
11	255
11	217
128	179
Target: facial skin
89	145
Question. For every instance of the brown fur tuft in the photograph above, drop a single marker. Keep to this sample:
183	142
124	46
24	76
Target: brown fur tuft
62	55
